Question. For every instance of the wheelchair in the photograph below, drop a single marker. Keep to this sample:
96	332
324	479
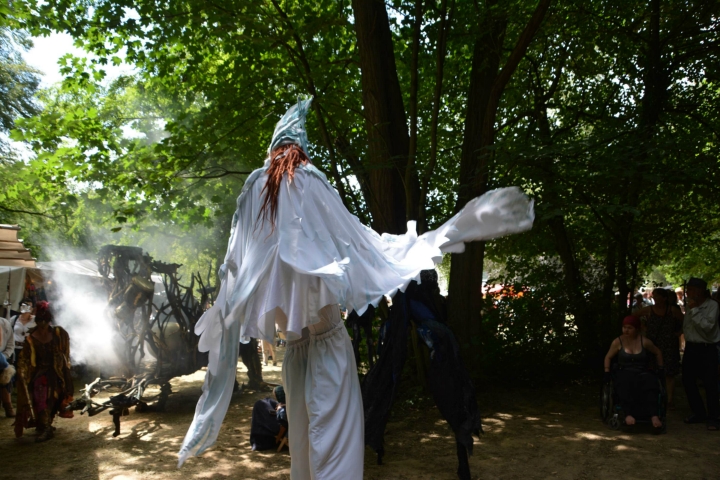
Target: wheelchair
612	413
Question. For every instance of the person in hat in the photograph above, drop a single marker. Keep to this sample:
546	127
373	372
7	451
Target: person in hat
700	362
295	257
45	384
637	387
22	324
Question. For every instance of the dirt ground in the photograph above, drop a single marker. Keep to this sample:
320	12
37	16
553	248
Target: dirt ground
539	433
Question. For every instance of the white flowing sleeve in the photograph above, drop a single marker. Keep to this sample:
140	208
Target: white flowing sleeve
220	337
319	237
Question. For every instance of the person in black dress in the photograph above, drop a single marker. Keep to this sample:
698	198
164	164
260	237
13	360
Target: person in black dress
663	326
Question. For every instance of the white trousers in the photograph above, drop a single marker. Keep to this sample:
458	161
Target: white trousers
324	403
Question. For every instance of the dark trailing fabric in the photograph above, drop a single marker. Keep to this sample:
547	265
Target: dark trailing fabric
360	323
379	387
423	308
448	380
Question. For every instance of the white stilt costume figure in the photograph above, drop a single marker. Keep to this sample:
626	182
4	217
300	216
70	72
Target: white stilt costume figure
296	272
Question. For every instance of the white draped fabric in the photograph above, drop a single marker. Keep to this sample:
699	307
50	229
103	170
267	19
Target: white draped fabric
318	254
324	403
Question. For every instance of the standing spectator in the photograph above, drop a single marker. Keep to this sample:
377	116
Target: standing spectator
679	300
647	298
639	302
671	299
7	348
268	352
679	295
22	324
700	362
663	327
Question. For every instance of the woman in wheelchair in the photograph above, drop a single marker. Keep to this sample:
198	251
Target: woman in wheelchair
637	387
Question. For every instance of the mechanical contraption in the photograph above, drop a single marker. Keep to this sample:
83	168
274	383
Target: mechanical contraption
155	339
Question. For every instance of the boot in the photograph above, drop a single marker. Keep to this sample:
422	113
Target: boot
45	435
6	402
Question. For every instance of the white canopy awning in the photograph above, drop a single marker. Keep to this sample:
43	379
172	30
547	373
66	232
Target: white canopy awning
76	267
12	282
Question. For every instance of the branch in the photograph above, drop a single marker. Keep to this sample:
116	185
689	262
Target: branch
27	212
515	119
511	65
558	74
520	48
697	118
589	203
311	83
216	175
441	52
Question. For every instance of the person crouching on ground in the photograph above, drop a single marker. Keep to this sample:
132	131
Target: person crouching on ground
269	422
700	362
637	387
44	382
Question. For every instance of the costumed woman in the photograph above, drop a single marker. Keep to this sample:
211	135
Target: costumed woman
44	382
295	257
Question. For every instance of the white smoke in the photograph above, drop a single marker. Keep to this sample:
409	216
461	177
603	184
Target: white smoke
79	305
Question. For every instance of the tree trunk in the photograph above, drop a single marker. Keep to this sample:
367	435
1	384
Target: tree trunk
575	286
486	87
440	54
610	325
465	284
411	174
655	82
385	116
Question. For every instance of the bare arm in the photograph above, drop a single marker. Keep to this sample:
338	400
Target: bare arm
614	349
679	319
650	346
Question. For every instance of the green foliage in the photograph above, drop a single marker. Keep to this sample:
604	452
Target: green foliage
528	338
610	122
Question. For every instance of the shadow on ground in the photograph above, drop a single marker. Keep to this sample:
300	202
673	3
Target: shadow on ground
541	433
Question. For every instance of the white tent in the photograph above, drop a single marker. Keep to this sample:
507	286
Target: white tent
15	259
17	263
76	267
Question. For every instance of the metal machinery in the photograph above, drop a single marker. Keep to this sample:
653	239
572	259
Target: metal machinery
155	339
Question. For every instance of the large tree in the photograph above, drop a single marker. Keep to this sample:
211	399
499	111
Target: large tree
604	112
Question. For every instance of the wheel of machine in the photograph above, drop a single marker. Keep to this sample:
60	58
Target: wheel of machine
615	422
662	406
606	400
